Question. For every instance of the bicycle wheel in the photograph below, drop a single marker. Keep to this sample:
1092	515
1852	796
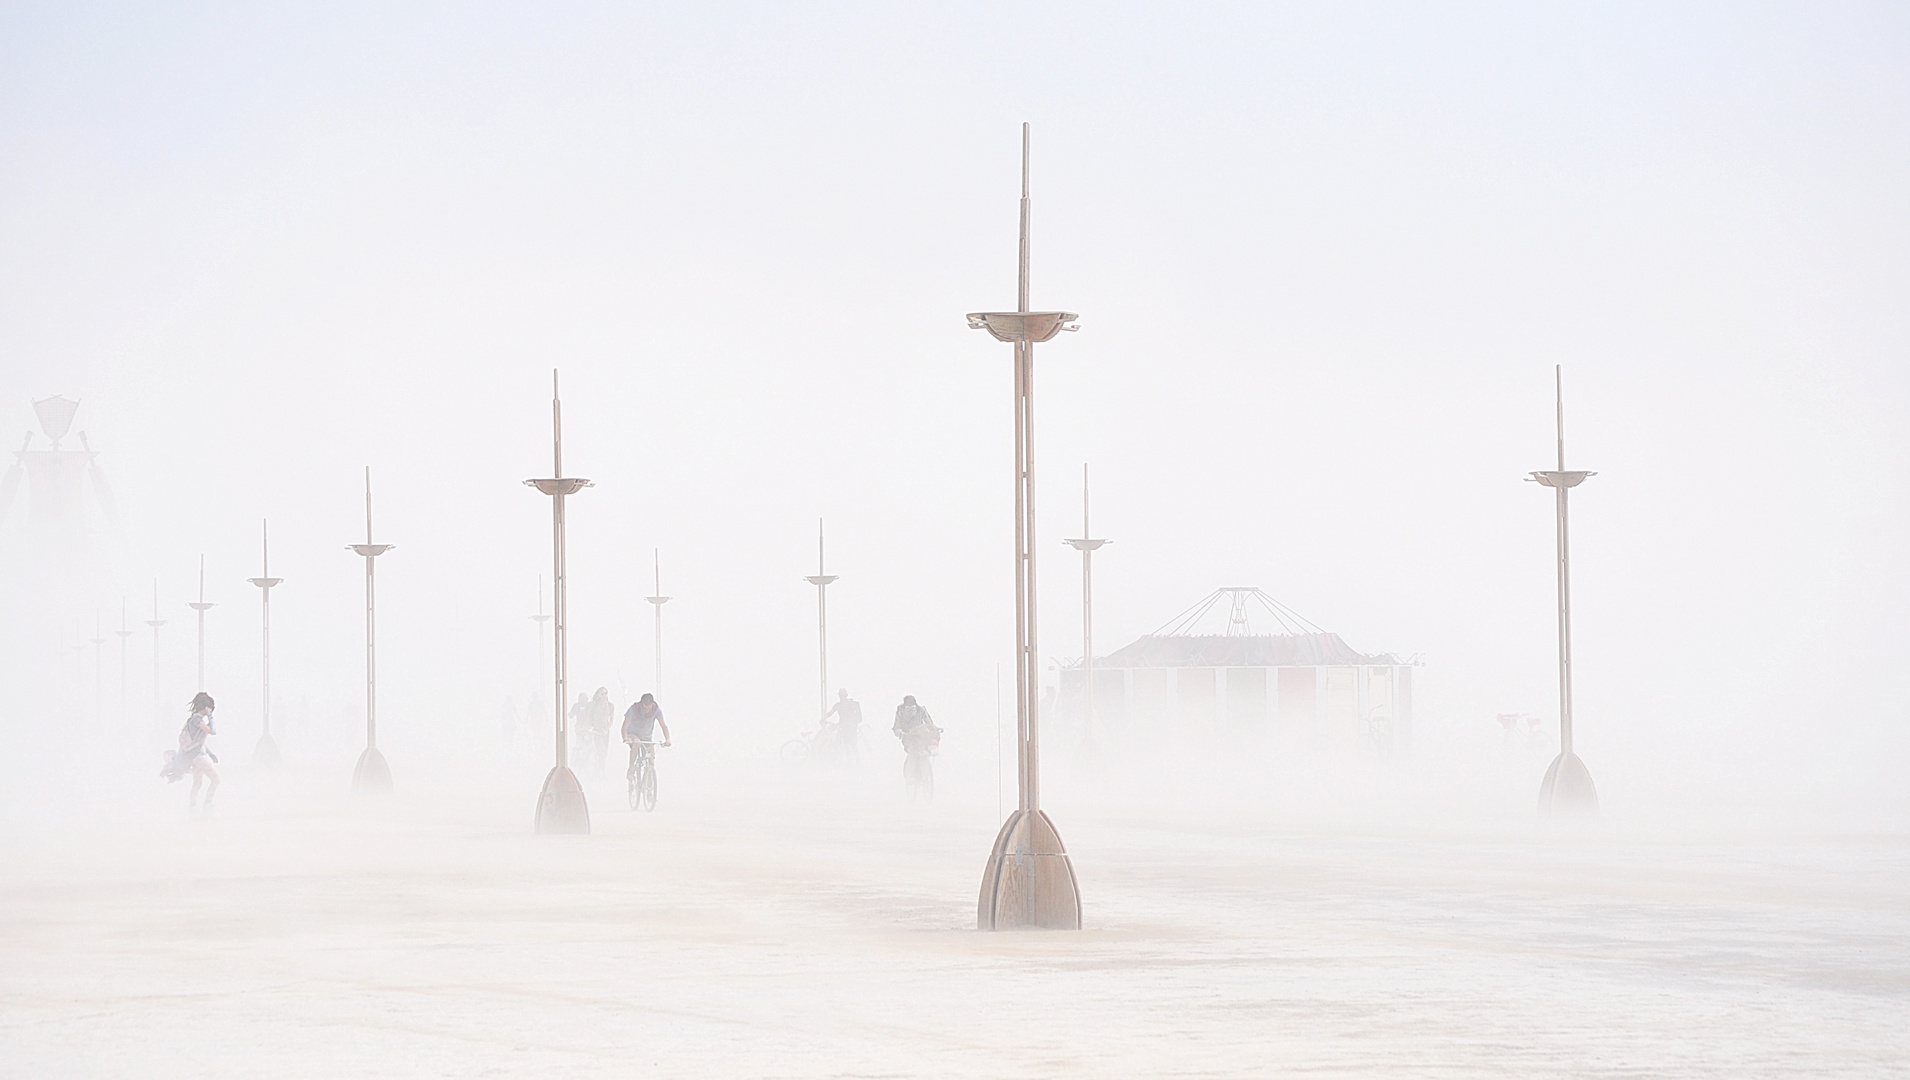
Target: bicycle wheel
636	789
647	788
795	750
916	776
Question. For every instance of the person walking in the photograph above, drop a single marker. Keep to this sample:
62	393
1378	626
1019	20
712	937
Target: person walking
194	756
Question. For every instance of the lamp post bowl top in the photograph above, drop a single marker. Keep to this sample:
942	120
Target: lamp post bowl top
370	550
821	579
562	485
1022	325
1562	478
265	582
1086	544
200	605
658	600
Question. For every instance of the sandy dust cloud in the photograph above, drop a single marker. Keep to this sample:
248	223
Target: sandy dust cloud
1326	262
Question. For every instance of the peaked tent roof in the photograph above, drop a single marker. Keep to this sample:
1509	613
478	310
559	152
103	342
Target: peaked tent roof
1188	640
1264	650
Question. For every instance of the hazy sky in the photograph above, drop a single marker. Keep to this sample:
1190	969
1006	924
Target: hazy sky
1325	257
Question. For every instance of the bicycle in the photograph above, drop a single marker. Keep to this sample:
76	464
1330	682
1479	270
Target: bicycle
800	748
918	773
643	777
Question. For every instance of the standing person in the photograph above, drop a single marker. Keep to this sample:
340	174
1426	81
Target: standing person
848	725
639	720
193	756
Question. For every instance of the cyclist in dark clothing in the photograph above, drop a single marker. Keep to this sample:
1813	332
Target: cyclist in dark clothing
639	720
840	737
909	716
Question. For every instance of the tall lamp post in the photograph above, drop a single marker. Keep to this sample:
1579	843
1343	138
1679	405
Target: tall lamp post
266	753
372	776
156	622
1087	547
821	581
122	633
1567	788
202	607
1029	881
560	806
656	605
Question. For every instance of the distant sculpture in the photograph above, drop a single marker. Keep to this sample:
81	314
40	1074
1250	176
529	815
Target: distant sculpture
56	479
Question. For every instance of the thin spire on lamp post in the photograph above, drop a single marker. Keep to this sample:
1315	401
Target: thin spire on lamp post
1567	787
266	753
1087	546
202	607
820	579
373	774
1029	881
657	600
560	806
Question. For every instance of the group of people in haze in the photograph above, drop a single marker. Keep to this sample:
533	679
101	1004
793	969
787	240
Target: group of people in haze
842	725
590	718
590	726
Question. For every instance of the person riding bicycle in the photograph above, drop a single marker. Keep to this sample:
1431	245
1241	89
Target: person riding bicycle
843	733
912	722
638	721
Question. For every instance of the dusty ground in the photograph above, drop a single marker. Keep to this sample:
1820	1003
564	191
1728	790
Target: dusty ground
781	930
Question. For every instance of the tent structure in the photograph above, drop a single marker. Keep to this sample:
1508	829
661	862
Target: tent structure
1241	662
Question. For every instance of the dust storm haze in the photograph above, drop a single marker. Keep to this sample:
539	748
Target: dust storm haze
1326	259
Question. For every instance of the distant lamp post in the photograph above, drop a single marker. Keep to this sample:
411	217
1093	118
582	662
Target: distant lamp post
122	633
202	607
560	806
266	753
372	775
821	581
1087	547
1567	788
1029	881
99	671
156	622
656	606
540	619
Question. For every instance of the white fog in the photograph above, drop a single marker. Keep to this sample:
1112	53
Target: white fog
1325	262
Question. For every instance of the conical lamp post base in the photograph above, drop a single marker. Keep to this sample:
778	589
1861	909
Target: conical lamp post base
266	754
372	776
1568	788
560	806
1029	882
